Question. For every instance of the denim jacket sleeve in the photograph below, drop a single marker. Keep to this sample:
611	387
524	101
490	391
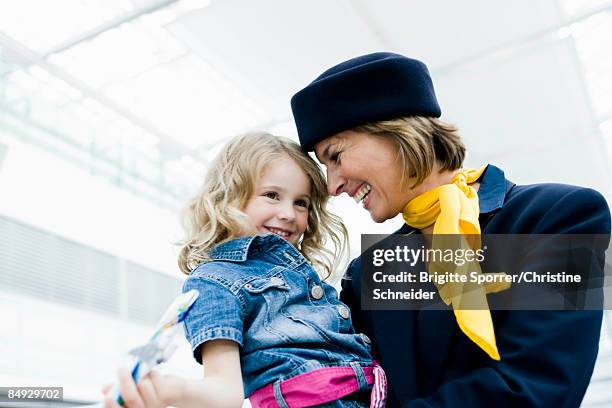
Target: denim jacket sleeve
216	314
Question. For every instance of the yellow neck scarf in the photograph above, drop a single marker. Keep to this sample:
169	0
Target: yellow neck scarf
453	209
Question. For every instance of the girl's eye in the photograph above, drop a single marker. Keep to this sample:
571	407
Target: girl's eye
302	203
271	194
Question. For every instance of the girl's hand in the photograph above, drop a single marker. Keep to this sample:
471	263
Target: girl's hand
153	391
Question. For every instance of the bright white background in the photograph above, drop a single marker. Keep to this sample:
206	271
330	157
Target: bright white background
110	111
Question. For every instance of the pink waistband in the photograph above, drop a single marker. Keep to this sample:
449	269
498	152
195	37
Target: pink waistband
320	386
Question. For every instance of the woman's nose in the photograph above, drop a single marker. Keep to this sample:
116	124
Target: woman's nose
335	183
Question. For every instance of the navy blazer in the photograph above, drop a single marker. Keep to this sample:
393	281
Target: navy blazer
547	356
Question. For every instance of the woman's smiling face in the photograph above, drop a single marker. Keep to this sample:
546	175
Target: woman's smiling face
366	167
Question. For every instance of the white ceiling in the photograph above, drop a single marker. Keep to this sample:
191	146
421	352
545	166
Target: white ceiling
502	70
515	76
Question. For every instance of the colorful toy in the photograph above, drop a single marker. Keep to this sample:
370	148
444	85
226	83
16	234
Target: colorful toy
161	345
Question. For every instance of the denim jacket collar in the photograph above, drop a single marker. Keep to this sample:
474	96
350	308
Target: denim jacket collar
237	249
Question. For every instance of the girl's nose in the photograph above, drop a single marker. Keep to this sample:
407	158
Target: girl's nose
287	212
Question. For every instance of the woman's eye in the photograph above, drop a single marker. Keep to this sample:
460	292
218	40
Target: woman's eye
335	157
271	194
302	203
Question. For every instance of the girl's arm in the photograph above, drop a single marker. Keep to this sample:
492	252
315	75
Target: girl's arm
221	386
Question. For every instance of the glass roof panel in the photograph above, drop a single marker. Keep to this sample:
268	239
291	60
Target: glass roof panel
571	7
41	25
193	103
123	52
593	40
149	73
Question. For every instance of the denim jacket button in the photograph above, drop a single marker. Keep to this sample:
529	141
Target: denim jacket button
344	312
365	338
316	292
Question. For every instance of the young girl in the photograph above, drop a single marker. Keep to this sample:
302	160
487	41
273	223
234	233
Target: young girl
265	325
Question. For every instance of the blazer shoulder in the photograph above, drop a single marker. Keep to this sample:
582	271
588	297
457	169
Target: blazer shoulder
560	204
545	193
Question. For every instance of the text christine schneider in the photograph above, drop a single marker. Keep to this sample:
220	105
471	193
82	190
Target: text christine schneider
462	265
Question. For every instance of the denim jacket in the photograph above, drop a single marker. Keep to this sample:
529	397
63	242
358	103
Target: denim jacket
260	292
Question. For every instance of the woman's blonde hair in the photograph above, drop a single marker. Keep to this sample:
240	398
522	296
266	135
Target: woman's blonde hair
422	142
216	214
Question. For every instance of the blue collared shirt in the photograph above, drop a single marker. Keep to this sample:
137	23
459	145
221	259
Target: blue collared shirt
260	292
492	190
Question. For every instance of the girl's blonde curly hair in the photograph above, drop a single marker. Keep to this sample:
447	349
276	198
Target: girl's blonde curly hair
216	214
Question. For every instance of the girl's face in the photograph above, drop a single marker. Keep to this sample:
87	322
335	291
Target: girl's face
281	200
366	167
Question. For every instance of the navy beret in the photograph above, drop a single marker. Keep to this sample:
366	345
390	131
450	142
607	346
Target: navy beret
369	88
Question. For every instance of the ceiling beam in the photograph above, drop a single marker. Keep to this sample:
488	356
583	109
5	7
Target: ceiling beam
109	25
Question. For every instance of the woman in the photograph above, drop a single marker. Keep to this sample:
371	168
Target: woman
373	122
